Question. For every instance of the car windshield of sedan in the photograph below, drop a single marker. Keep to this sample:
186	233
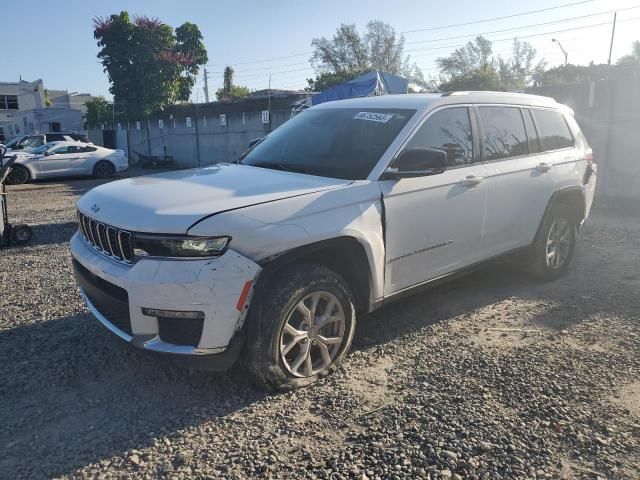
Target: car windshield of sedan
331	142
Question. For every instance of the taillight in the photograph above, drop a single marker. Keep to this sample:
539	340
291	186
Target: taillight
589	157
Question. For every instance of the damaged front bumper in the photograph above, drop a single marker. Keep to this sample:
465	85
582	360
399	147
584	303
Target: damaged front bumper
216	292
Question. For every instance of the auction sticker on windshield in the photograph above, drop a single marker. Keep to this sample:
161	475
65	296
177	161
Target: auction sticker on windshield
374	117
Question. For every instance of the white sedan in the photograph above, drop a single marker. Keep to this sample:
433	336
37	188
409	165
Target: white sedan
66	159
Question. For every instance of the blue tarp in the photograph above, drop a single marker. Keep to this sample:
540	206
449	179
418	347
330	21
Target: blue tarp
362	86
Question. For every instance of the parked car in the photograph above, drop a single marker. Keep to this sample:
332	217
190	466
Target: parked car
56	159
346	207
31	142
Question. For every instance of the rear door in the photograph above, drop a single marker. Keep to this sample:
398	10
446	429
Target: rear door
521	175
434	224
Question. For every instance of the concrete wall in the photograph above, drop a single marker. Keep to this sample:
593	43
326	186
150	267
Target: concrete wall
609	115
208	141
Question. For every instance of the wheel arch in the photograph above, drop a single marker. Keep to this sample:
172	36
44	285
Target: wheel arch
345	255
573	197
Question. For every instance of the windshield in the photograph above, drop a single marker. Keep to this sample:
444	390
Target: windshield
331	142
13	142
31	142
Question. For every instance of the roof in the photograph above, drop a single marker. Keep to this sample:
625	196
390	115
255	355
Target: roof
420	101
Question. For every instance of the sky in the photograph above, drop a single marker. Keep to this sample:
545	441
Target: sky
257	37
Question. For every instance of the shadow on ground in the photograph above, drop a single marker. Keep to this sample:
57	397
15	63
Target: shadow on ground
99	398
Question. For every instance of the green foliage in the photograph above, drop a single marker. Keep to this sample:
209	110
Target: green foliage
148	65
487	79
566	74
518	72
473	58
237	91
631	61
473	67
331	79
229	91
99	110
349	54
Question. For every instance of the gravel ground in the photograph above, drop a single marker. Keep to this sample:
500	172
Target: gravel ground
492	376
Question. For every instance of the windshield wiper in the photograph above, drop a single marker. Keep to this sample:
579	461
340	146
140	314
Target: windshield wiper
285	167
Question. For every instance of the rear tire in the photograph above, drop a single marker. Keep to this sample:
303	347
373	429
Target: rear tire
555	244
103	169
21	234
303	331
18	175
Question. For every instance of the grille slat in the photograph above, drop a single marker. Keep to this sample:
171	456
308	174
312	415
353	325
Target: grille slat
109	240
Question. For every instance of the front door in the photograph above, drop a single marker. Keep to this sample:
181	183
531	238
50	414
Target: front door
434	224
62	160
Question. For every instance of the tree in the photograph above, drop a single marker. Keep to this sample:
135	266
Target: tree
632	60
349	54
566	74
327	80
473	58
473	67
229	91
147	64
99	109
517	72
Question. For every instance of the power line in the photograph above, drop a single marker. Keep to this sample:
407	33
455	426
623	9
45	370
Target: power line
260	61
525	36
498	18
524	27
409	31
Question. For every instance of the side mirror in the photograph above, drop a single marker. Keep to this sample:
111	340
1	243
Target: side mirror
417	162
47	154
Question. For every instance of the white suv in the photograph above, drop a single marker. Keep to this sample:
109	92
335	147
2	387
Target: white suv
344	208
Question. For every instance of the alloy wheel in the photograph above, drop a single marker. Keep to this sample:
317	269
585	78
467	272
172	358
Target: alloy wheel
558	243
17	176
312	334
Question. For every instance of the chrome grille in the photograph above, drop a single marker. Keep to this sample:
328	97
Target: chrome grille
109	240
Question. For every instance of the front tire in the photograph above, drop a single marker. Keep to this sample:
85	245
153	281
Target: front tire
104	169
18	175
555	244
304	329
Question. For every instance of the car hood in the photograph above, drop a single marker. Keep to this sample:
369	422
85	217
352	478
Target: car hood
172	202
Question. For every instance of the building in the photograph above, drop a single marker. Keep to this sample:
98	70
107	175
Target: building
24	111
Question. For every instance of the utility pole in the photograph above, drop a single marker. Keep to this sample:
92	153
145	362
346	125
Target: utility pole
269	98
613	32
206	86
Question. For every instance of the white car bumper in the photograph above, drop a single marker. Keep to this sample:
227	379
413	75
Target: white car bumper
117	293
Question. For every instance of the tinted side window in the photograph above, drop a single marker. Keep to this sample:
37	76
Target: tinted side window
448	130
553	130
504	134
88	149
52	137
534	141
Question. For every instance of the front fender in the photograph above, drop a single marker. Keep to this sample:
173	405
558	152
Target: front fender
265	231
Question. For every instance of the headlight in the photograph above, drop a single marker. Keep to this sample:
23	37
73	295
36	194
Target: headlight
179	247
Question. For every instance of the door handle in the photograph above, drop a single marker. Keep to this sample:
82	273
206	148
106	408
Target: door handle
471	181
544	167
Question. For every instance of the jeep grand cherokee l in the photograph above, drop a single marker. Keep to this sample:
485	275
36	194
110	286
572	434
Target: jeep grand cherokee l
347	206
